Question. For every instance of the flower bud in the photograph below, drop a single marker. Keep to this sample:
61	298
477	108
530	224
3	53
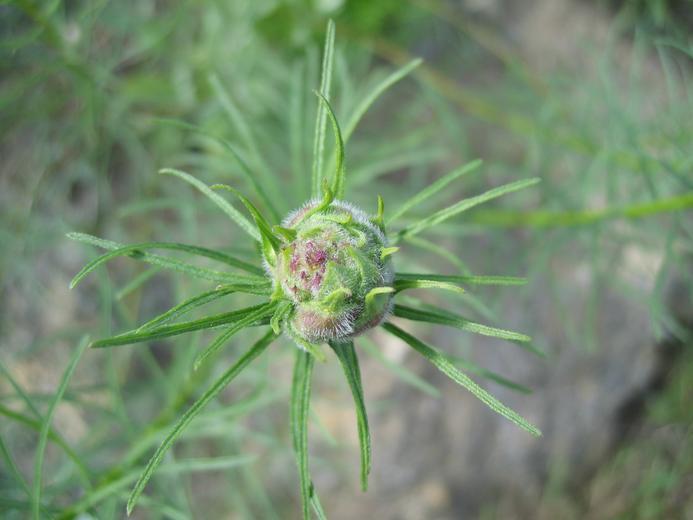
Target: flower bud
335	271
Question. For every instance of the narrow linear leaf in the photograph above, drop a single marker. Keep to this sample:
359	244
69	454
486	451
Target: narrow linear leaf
262	312
220	201
257	349
445	366
464	205
136	282
433	189
270	242
46	427
245	132
166	331
398	370
161	261
350	364
338	182
403	285
372	96
410	313
199	300
300	409
549	219
321	118
133	249
248	174
315	502
471	280
489	374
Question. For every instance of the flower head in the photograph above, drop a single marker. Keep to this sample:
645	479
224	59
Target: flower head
336	271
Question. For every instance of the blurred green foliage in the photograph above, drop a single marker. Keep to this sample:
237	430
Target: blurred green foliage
87	94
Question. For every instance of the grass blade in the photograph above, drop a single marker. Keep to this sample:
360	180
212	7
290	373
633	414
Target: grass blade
338	182
410	313
300	409
379	89
321	118
464	205
12	467
257	349
158	260
137	282
134	249
445	366
471	280
220	201
253	316
199	300
46	427
433	189
350	364
166	331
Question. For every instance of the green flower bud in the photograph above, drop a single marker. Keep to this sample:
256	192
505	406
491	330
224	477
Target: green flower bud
335	267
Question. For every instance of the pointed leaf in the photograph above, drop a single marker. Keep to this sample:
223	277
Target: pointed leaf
199	300
338	182
133	249
163	261
270	242
247	172
463	205
472	280
397	369
300	409
445	366
403	285
350	364
375	94
459	322
183	422
220	201
245	132
433	189
137	336
250	318
321	118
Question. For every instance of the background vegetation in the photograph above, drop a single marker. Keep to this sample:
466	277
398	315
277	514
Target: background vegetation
594	97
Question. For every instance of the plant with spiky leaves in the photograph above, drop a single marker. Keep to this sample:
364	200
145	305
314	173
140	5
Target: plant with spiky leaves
328	276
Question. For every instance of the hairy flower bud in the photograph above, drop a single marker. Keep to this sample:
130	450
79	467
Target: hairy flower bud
336	270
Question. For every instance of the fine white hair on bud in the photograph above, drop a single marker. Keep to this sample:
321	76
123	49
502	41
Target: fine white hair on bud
335	269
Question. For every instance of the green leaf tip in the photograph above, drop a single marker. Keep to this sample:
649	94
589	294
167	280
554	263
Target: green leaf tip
222	203
387	251
338	182
444	365
270	242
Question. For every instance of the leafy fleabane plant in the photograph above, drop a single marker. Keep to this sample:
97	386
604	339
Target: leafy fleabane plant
327	273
